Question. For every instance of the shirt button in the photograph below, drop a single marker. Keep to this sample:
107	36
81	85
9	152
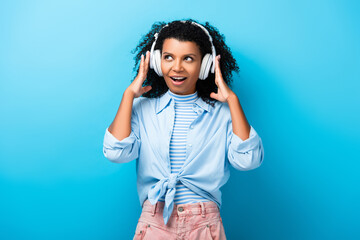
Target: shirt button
180	209
190	145
191	127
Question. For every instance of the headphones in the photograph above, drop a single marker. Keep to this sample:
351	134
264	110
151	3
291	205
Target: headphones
208	60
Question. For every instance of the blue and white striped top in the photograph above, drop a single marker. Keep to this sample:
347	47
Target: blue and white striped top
184	116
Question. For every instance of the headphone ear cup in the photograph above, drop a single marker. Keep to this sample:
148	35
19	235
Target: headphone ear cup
205	66
152	56
157	62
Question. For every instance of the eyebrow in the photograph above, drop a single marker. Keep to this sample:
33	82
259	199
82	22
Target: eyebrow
189	54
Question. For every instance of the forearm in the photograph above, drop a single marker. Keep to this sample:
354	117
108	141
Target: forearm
120	128
240	124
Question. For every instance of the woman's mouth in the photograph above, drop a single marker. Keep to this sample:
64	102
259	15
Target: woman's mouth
178	80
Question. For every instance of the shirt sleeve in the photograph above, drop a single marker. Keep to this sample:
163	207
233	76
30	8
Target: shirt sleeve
245	154
125	150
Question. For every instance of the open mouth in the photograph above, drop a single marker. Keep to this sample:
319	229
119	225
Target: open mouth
178	79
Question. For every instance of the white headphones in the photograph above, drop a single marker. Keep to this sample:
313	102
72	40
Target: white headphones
208	60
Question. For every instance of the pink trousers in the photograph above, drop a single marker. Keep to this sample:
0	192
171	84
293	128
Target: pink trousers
187	222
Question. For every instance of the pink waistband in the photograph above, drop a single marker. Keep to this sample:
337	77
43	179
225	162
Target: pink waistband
193	208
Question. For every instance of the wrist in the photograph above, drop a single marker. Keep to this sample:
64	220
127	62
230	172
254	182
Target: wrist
129	93
232	97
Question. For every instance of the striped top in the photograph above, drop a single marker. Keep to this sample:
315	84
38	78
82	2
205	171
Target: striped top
184	116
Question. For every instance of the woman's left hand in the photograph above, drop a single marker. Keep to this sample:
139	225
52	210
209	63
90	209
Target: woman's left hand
224	91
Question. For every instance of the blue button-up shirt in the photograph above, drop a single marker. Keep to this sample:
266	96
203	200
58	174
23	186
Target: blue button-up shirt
211	147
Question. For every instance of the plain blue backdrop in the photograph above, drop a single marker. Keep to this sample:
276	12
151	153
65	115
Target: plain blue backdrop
65	64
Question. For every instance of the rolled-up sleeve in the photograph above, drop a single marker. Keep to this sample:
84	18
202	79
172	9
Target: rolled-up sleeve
125	150
245	154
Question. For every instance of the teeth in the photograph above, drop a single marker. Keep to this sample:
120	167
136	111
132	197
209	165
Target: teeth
178	78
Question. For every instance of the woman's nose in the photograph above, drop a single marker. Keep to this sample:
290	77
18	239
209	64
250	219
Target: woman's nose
177	67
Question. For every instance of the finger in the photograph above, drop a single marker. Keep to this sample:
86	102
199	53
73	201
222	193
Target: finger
146	89
214	95
141	63
145	65
141	67
147	61
217	66
219	80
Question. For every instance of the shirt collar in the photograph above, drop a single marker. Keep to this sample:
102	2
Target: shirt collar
201	103
164	100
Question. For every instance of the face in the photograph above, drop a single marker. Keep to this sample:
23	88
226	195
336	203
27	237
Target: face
180	65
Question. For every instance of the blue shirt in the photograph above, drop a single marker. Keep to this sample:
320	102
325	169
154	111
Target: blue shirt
211	147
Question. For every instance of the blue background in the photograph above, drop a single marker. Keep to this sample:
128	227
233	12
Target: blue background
65	64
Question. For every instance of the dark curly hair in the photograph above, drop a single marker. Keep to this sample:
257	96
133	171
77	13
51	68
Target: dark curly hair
186	31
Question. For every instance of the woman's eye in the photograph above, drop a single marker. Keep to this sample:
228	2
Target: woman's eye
188	58
167	57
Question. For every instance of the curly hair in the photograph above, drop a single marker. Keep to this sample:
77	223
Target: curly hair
186	31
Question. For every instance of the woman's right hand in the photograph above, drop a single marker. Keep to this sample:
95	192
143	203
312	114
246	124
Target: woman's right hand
136	87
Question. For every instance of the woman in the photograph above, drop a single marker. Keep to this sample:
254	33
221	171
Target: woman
182	123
